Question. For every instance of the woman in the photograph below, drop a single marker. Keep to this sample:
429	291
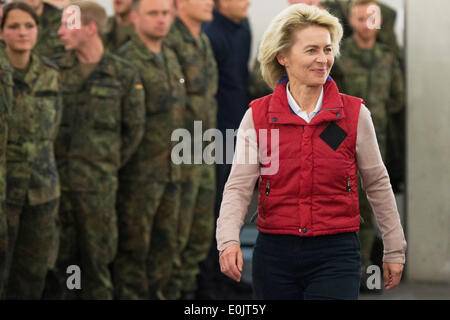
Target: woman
311	140
6	85
32	179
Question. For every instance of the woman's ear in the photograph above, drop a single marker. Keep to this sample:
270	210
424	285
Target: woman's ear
282	59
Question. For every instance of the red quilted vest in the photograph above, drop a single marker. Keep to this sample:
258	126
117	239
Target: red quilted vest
308	184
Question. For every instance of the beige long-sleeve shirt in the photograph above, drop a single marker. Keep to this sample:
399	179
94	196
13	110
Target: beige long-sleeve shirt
374	177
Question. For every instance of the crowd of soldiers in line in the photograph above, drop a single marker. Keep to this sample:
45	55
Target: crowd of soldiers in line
86	116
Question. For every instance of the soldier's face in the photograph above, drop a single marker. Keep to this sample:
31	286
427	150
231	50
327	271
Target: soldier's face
198	10
122	7
20	31
71	37
309	2
361	22
154	17
311	57
236	9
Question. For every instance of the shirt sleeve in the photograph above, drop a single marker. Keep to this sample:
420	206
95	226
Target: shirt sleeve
376	183
240	185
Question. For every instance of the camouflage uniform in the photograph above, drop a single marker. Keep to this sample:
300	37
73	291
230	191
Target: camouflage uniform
149	185
32	178
257	86
6	85
374	75
101	128
117	35
49	43
196	222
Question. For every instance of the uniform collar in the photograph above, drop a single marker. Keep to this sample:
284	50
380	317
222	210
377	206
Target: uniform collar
185	33
142	50
356	52
70	60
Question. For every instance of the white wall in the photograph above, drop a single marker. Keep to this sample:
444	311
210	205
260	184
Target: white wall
108	4
428	136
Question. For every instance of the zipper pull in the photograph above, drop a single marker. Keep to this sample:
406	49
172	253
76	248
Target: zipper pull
267	188
253	218
349	185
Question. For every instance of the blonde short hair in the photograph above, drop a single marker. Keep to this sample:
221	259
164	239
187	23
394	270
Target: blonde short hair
93	12
280	37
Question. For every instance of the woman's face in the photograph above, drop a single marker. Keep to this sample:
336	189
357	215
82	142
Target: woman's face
20	31
311	57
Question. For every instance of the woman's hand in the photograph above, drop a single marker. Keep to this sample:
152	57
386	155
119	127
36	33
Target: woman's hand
231	262
392	273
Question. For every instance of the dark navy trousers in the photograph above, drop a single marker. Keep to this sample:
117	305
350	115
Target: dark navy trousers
288	267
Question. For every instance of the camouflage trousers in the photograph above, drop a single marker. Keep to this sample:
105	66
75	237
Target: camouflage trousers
367	229
88	239
32	248
148	224
3	246
195	228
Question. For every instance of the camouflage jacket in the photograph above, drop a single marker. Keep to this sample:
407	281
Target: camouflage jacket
6	91
115	38
32	130
165	94
49	43
374	75
102	125
200	69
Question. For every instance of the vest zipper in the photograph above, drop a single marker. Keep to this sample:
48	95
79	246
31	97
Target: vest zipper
349	185
266	194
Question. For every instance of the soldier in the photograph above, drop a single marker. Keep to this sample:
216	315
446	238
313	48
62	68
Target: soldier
32	178
102	127
149	185
370	70
120	27
196	222
49	19
340	9
6	85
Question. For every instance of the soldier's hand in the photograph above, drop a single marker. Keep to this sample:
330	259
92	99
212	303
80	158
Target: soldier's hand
392	273
231	262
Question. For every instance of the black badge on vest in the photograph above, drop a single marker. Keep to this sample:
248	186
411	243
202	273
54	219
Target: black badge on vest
333	135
